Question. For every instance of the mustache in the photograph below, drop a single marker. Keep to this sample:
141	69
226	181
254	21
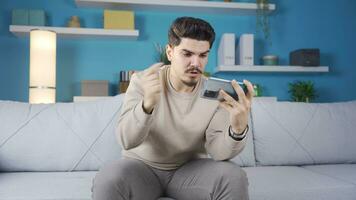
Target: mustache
194	69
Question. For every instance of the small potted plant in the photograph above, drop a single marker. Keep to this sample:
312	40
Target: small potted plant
302	91
206	74
162	56
258	90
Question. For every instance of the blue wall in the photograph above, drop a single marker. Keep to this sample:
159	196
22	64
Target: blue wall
326	24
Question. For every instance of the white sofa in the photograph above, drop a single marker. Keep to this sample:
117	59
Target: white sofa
295	151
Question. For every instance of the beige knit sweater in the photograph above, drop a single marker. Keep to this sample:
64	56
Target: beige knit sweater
183	126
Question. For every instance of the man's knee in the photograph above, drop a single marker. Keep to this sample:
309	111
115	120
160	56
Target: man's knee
231	172
115	175
111	172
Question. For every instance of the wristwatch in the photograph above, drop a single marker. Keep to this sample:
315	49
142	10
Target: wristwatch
238	136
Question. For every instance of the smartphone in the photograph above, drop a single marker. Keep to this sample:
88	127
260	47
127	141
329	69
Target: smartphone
212	86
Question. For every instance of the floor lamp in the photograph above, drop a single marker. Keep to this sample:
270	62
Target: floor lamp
42	87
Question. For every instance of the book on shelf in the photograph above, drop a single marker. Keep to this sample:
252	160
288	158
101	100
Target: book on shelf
226	49
124	81
245	50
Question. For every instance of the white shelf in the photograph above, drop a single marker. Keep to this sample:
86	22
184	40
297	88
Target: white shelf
21	31
266	68
215	7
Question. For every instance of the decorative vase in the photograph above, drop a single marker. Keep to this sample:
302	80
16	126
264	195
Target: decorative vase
74	22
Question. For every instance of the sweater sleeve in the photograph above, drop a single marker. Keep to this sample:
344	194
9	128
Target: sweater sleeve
218	143
133	124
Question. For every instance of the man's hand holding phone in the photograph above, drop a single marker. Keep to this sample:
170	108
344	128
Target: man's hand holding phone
238	109
151	87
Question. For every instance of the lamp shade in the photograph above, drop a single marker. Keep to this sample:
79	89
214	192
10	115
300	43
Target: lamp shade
42	66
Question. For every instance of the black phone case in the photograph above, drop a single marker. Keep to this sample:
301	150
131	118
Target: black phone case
211	88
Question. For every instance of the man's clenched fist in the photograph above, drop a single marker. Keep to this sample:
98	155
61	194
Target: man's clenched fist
151	87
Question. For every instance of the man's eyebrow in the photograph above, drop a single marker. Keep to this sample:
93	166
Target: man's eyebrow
187	51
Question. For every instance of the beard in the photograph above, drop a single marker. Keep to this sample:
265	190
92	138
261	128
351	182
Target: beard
190	83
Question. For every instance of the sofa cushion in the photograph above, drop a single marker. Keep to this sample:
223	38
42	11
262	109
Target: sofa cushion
289	133
58	137
343	172
246	158
295	183
46	185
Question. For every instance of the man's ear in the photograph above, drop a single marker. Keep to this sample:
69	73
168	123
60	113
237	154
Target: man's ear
169	52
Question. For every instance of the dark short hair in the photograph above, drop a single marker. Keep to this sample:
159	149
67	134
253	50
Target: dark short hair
192	28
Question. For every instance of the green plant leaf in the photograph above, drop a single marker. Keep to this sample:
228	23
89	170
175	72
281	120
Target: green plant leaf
162	56
302	91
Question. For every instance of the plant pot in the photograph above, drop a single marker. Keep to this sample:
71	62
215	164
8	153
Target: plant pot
270	60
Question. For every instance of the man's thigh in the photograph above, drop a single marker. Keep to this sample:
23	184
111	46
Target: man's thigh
208	179
126	179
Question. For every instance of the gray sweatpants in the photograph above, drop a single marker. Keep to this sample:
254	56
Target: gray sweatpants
202	179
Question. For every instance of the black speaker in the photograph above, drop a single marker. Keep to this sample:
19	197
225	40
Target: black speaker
305	57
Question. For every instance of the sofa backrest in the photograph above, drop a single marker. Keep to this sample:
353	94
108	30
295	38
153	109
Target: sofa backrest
58	137
289	133
67	136
246	158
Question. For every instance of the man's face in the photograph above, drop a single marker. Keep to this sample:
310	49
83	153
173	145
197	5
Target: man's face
188	60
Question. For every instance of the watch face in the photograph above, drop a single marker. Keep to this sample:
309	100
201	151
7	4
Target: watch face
238	135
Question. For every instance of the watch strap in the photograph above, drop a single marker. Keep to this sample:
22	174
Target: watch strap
238	136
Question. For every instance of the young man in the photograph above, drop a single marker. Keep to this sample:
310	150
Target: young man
166	129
